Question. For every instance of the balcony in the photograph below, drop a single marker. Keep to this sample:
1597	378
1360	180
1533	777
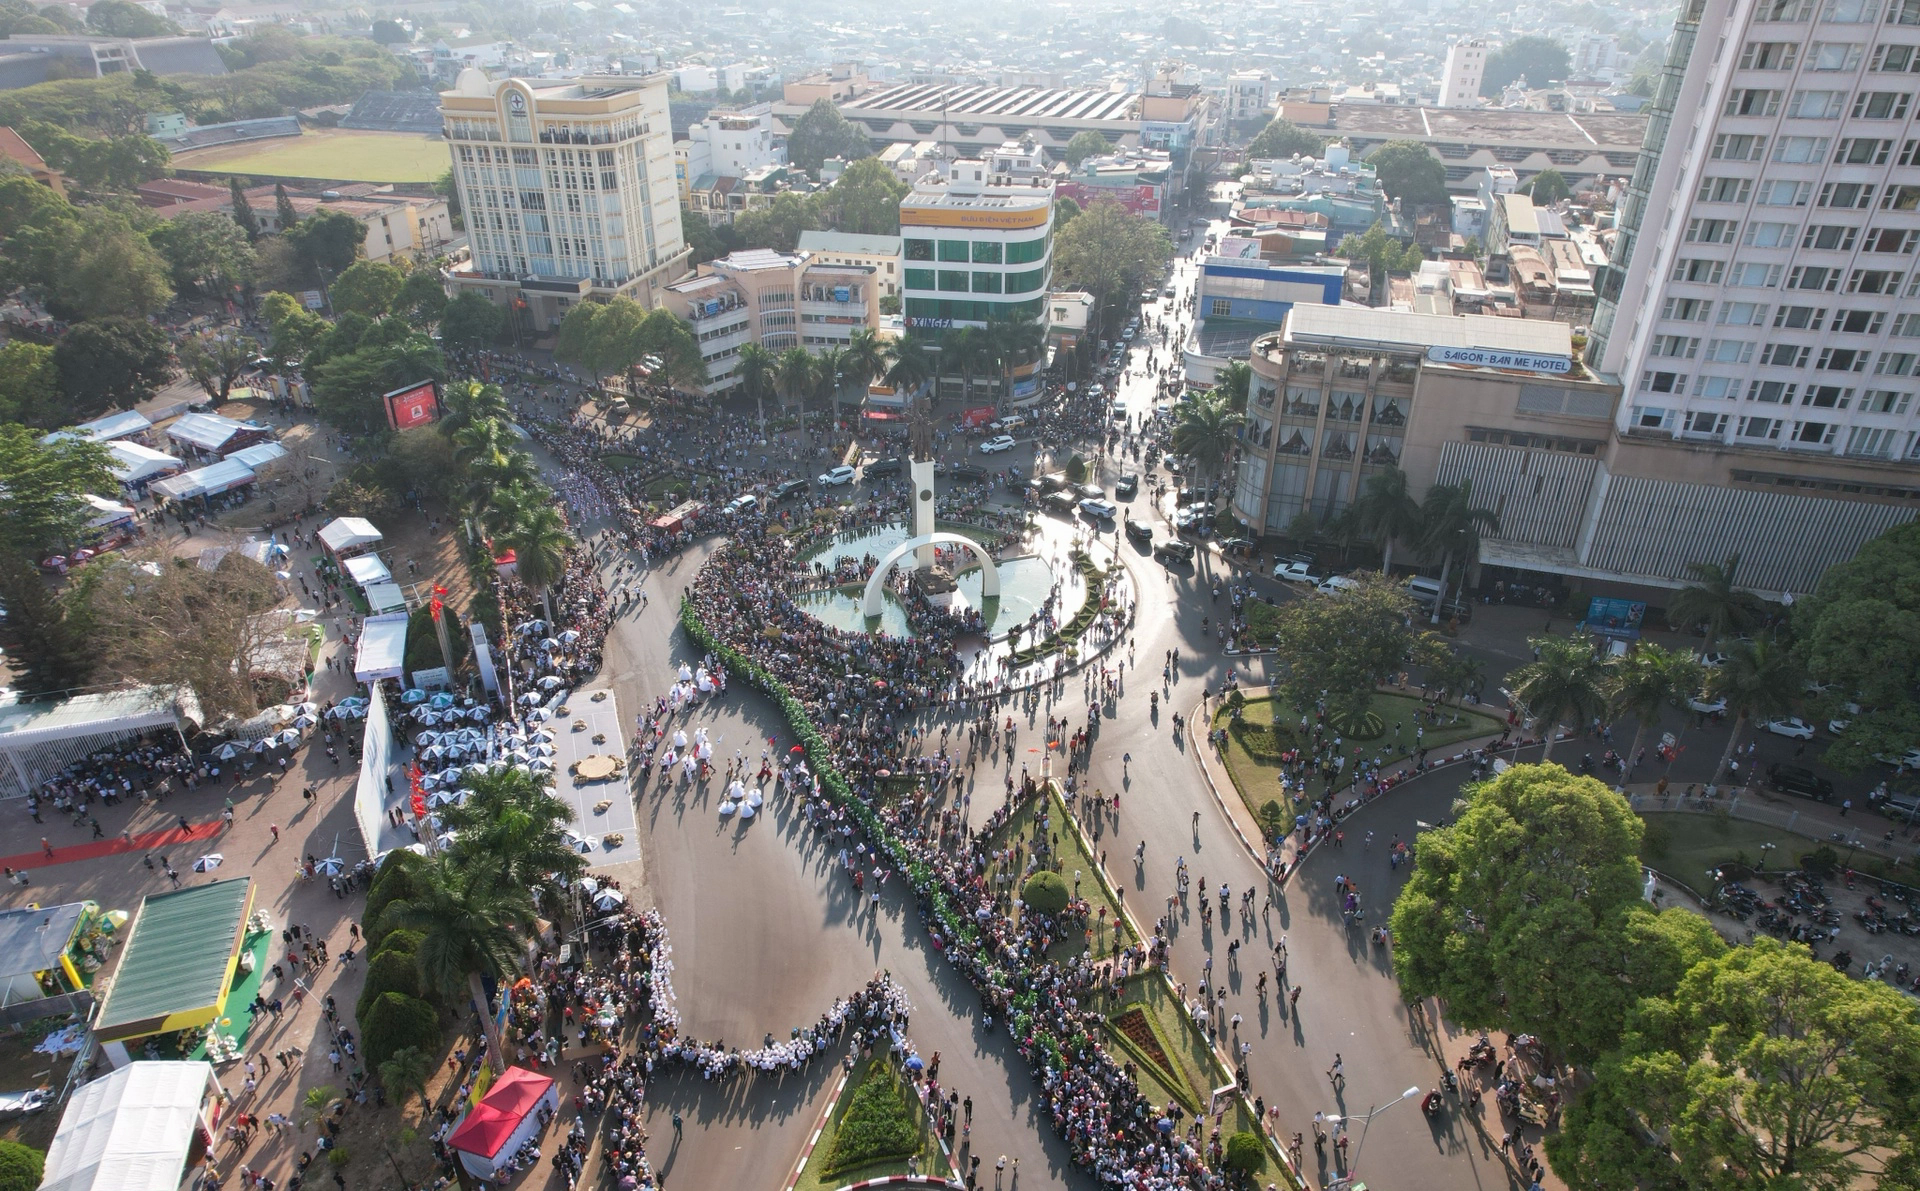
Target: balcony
1355	370
1309	363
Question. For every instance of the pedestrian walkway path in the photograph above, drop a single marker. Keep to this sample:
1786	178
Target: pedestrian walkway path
95	849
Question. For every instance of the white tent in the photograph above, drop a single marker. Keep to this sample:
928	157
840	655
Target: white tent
385	597
134	464
105	429
348	533
259	455
209	432
132	1130
211	480
106	512
383	647
365	569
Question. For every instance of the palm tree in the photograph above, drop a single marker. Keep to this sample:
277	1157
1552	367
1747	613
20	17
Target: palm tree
1386	511
490	459
1235	383
1205	431
1712	600
794	375
1758	680
755	367
472	925
539	541
866	357
829	374
964	350
469	401
1646	682
510	503
509	826
909	365
483	441
1567	682
1452	528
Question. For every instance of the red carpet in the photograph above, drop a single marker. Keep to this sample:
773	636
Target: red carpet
94	849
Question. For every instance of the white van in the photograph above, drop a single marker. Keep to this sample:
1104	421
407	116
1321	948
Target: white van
1336	584
1424	590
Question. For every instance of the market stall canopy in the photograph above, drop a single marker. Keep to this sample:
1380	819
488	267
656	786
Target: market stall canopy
383	647
178	963
131	1130
213	433
259	455
103	512
133	463
44	737
210	480
348	533
33	941
366	568
505	1118
105	429
385	597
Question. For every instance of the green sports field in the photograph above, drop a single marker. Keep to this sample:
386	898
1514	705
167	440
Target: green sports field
343	154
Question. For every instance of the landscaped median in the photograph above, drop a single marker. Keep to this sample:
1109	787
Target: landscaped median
1256	742
1061	1042
877	1127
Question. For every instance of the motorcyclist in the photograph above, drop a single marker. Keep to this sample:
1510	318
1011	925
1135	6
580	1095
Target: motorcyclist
1431	1103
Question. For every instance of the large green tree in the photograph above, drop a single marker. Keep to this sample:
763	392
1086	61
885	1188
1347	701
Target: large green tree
1759	680
367	287
43	510
1541	60
1084	145
1859	636
329	241
215	361
422	298
866	199
347	387
1450	526
1763	1068
292	329
207	252
822	132
1111	253
470	322
123	18
509	825
1648	681
1382	255
1386	512
112	363
1525	914
777	225
1340	647
1283	138
472	924
30	385
1409	172
540	542
1712	602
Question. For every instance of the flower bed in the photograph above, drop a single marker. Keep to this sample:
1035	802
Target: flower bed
880	1121
1068	637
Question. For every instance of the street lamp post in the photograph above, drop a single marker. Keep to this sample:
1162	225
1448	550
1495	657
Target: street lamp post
1365	1122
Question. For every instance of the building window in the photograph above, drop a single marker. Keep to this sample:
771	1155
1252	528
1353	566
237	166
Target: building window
986	252
1026	282
986	283
954	250
955	281
1219	307
919	250
1651	417
1022	252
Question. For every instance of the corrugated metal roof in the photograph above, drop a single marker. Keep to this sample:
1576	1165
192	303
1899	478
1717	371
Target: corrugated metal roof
1375	327
176	955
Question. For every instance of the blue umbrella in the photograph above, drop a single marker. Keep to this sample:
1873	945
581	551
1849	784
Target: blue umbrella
915	1063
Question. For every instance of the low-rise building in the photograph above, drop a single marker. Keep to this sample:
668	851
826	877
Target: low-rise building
1243	294
397	225
15	149
975	248
1137	179
880	253
727	144
777	300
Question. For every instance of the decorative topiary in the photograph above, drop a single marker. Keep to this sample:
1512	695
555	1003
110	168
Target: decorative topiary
1246	1153
392	970
1046	893
396	881
21	1167
1076	470
396	1021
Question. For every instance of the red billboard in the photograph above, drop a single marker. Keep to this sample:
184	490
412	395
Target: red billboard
414	405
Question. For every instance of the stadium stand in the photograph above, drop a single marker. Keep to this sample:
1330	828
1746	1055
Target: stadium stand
395	111
201	135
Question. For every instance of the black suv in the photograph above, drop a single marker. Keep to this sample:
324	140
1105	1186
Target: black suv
883	468
789	489
1796	779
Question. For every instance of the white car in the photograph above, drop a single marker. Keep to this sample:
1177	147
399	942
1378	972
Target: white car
1295	572
1791	726
994	446
1844	720
1707	706
838	477
1713	661
1104	510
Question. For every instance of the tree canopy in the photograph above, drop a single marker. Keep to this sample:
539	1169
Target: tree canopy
1338	648
1109	252
470	321
1547	187
1541	60
206	251
1084	145
1283	138
112	363
1525	914
1763	1067
1409	172
1859	635
865	200
822	132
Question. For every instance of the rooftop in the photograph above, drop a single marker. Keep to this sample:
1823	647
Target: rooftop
1005	103
1478	126
1379	328
749	260
178	958
31	940
849	242
143	707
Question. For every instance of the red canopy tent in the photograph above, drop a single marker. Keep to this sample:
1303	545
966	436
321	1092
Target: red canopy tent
506	1118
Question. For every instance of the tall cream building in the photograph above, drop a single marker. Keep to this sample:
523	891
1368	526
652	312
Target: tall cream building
567	186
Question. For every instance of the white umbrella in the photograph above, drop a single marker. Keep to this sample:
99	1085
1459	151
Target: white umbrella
478	714
261	745
446	839
441	699
549	643
227	752
415	695
549	682
304	720
582	844
476	769
532	626
208	863
288	737
530	699
308	708
539	715
542	749
540	765
570	636
443	797
515	741
331	866
542	736
588	884
607	899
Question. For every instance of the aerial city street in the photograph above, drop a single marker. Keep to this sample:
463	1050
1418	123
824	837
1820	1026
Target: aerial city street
602	596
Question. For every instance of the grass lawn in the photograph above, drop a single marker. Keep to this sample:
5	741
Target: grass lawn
1685	846
931	1160
345	154
1256	774
1070	857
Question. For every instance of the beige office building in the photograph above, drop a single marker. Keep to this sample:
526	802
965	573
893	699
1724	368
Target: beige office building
568	190
778	300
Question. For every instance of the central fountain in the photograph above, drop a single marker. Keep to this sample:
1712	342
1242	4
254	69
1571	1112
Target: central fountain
931	578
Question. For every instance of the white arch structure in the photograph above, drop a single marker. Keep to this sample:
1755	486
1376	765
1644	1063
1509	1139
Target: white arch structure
870	607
